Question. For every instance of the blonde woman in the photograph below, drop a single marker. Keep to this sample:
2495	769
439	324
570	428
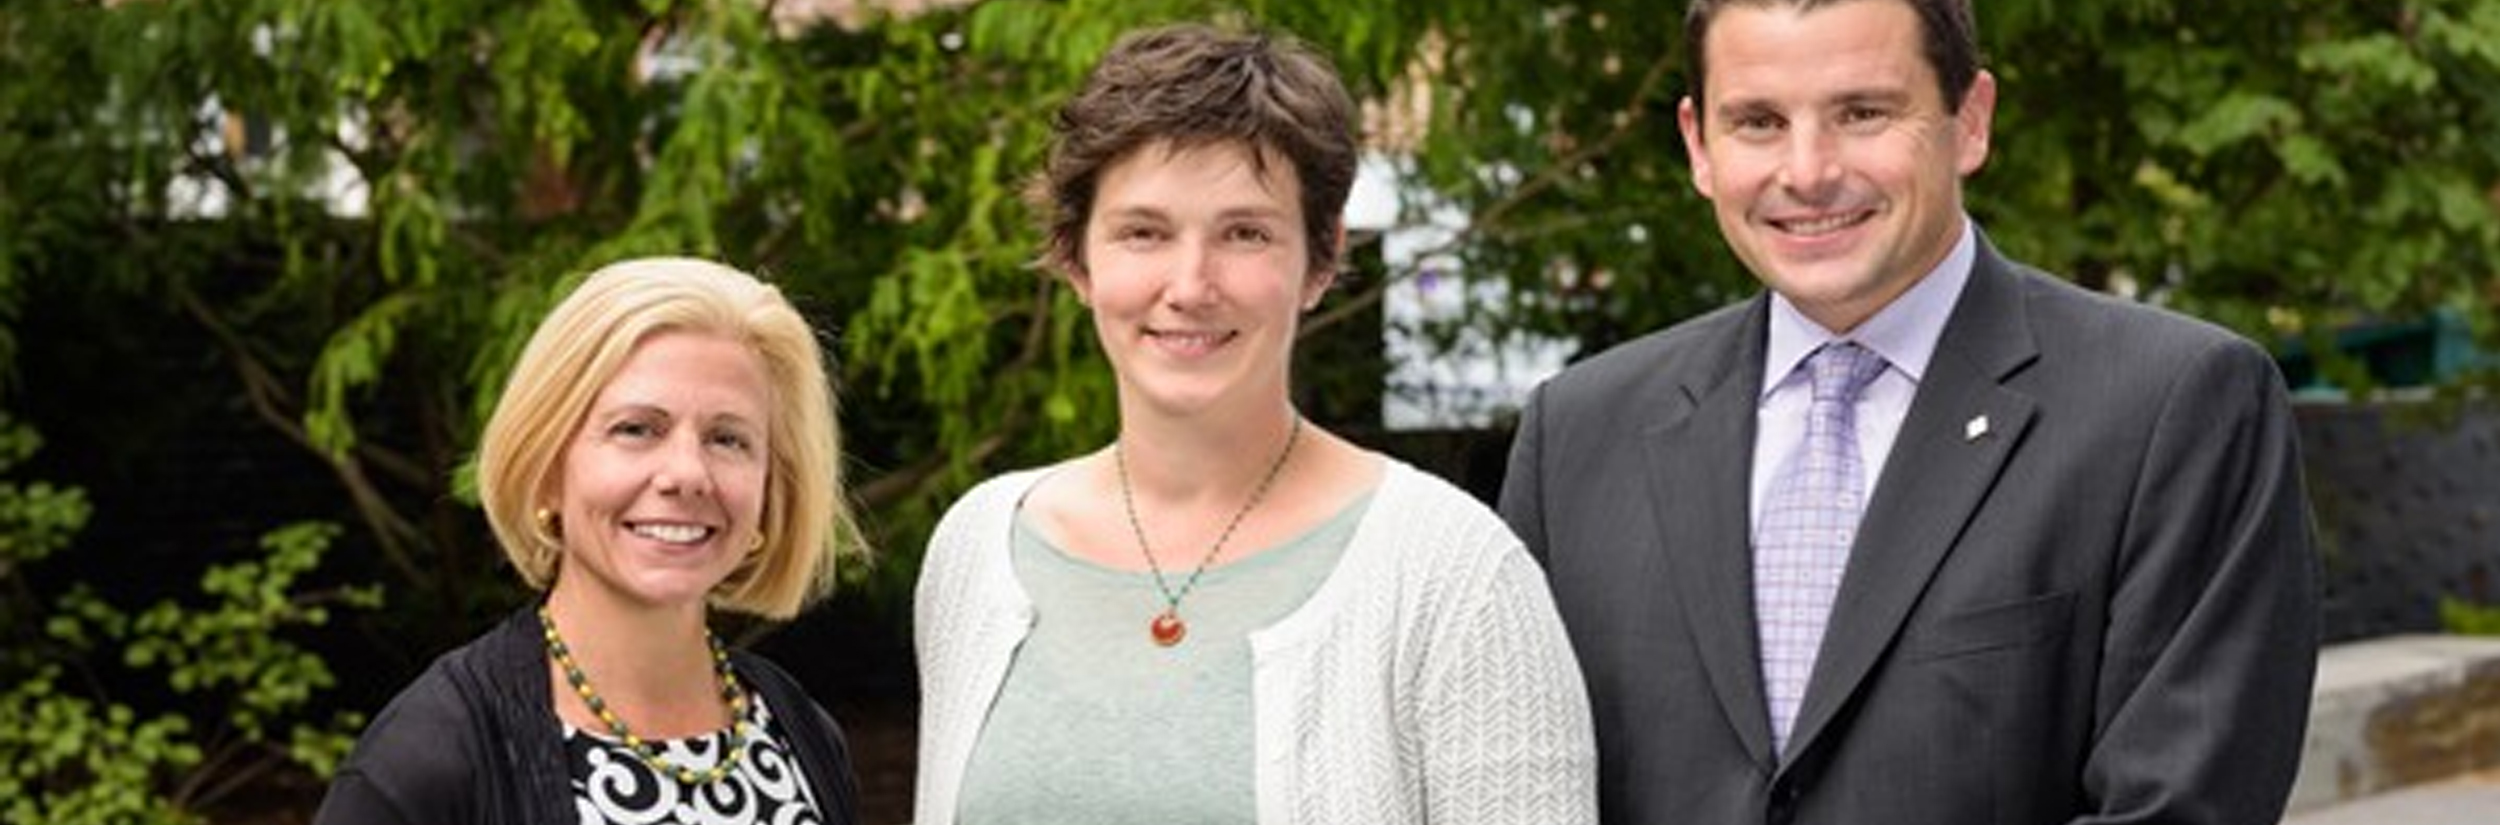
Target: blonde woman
665	447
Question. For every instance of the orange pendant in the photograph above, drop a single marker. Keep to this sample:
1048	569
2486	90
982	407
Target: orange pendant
1168	629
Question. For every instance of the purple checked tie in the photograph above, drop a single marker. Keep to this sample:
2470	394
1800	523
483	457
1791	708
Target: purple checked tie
1809	517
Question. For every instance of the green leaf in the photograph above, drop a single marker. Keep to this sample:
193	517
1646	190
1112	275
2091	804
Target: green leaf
2310	161
353	359
2237	117
2379	59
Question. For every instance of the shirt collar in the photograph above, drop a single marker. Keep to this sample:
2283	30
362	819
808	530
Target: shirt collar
1904	332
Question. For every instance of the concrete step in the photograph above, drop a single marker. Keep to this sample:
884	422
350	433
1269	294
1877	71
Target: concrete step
2473	799
2401	722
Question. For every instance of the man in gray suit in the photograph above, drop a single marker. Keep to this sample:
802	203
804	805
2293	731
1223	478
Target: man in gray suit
1920	535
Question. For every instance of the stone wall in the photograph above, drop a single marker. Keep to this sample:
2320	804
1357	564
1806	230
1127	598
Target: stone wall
2397	711
2408	508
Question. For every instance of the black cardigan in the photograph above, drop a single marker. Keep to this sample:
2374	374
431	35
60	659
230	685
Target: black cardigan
475	740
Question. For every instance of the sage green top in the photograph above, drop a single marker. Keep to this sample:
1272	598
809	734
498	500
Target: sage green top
1098	725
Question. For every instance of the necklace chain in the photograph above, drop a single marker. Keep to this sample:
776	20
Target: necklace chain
1167	626
731	693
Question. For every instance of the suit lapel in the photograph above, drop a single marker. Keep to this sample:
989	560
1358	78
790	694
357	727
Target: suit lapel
1700	458
1937	475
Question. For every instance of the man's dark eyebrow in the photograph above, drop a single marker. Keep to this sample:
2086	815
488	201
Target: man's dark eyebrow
1741	107
1894	97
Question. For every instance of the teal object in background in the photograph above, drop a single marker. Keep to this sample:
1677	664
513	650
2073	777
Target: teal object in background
2435	349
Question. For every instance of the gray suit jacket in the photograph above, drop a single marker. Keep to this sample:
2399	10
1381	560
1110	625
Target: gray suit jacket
2101	609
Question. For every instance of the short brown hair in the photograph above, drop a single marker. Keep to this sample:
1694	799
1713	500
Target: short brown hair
582	345
1950	40
1192	85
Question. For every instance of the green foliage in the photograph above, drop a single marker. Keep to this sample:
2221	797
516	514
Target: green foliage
240	690
241	695
2468	618
74	760
37	519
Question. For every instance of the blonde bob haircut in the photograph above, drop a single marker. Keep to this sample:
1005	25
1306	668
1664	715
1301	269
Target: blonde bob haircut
580	347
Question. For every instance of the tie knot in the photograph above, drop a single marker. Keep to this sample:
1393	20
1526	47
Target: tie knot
1842	369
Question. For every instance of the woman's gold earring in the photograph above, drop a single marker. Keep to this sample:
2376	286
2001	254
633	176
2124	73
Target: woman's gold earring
550	529
756	543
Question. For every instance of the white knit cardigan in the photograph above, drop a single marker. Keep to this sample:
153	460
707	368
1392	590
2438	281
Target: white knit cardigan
1427	680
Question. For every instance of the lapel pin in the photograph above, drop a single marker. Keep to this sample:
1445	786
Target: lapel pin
1977	427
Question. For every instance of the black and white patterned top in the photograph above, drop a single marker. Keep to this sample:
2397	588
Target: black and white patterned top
612	786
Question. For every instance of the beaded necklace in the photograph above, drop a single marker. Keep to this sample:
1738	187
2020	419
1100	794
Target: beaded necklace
1167	628
730	692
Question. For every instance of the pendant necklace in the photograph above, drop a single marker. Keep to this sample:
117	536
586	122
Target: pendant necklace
1167	629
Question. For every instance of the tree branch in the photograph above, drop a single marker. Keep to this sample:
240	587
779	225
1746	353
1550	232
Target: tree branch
1626	119
221	168
913	479
268	398
1488	220
198	791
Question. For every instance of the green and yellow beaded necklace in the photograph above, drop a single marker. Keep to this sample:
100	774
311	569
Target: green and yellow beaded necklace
730	692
